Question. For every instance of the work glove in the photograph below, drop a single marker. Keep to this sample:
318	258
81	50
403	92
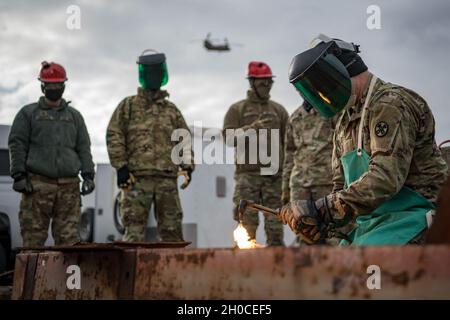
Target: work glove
22	183
88	184
308	219
186	171
124	177
285	197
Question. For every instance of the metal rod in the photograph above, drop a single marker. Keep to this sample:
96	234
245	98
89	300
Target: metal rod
263	208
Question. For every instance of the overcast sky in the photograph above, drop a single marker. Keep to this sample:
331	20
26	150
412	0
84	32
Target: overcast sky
411	49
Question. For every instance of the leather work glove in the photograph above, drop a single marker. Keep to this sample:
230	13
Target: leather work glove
88	184
285	197
186	171
22	184
309	219
124	177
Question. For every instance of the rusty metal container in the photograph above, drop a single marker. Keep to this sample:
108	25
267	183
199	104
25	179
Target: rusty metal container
316	272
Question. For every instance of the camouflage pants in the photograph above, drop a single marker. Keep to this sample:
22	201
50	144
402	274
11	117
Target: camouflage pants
58	203
314	192
137	201
265	190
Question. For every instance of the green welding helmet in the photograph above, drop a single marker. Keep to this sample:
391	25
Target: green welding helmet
152	69
322	74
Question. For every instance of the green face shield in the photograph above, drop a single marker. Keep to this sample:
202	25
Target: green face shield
153	76
321	78
326	85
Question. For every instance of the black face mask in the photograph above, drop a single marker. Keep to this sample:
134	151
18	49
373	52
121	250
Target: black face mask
53	94
262	87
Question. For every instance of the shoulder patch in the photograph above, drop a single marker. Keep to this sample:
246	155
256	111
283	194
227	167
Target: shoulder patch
381	129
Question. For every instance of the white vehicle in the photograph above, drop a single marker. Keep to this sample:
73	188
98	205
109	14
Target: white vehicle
9	204
207	207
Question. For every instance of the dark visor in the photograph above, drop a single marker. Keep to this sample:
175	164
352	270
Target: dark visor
326	85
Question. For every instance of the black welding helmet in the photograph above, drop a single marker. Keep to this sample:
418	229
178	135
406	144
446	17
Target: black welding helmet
322	74
152	69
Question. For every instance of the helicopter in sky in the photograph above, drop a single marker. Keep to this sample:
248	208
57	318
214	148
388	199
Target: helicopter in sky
214	44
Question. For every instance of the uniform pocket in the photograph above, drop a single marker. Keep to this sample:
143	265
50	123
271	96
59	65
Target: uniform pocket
26	203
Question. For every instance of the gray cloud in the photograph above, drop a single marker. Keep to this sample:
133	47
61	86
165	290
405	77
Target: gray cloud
410	49
9	90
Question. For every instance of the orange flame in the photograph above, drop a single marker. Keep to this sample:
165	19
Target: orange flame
243	240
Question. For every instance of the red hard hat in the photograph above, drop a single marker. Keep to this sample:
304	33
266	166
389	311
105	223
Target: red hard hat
52	72
258	69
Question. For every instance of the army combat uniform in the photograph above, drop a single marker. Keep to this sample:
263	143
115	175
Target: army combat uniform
51	145
139	136
307	173
307	159
250	184
398	135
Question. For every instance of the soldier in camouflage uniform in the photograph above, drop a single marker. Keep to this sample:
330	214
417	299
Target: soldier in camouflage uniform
387	168
258	112
307	155
49	146
140	147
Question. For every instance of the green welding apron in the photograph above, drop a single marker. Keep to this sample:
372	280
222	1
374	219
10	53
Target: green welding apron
396	221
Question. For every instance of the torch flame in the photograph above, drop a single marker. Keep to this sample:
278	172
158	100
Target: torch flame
242	238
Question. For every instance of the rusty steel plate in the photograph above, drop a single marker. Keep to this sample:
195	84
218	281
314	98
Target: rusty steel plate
152	245
309	272
117	245
76	247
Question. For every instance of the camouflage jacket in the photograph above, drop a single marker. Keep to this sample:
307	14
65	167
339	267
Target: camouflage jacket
243	113
52	142
398	135
139	134
308	148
